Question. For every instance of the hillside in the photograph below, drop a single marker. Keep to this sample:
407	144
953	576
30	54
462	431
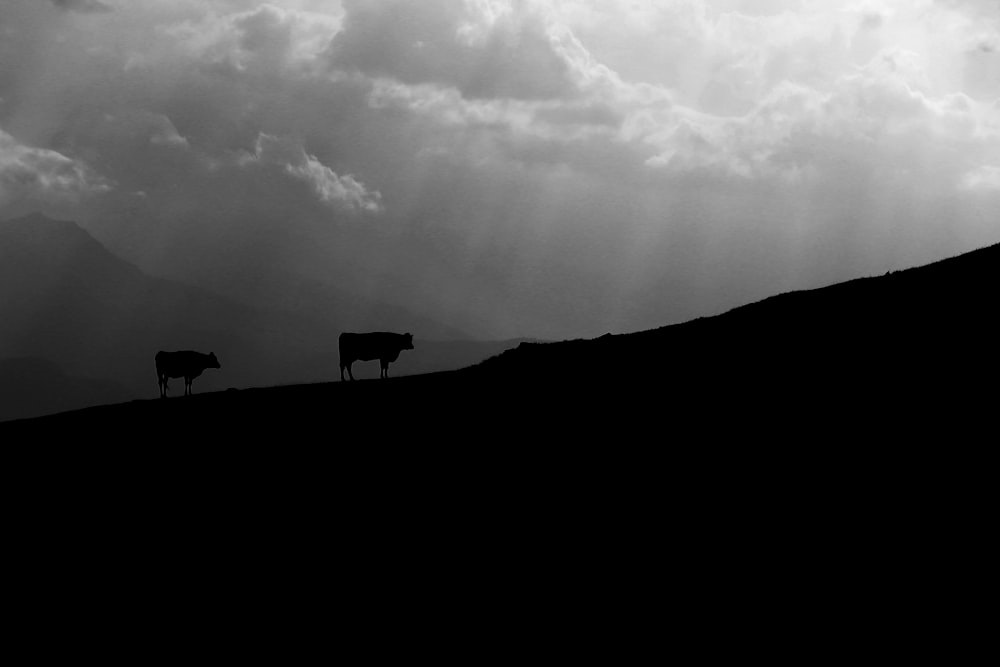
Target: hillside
819	446
888	348
869	336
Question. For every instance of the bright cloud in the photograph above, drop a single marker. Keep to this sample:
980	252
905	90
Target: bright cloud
41	175
338	191
984	178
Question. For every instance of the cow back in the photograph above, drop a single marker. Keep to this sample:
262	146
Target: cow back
183	363
374	345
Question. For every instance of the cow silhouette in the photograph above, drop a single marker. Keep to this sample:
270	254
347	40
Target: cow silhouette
186	364
381	345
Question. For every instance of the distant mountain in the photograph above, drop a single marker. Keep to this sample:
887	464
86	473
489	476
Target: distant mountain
34	387
66	299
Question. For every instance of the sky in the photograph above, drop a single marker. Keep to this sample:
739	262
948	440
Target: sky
511	167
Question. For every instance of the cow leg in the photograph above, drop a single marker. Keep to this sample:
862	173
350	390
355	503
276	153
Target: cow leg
350	373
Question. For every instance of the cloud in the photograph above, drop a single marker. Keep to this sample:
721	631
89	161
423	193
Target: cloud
800	93
38	174
986	177
483	49
333	189
880	117
266	38
341	192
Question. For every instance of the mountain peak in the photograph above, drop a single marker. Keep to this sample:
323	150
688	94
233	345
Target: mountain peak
38	218
40	226
32	217
38	232
37	245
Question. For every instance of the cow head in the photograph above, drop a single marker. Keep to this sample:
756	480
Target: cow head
213	361
408	340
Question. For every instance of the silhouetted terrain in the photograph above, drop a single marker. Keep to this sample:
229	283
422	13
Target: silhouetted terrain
925	333
817	450
883	352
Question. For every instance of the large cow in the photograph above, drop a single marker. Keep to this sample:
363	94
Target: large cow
379	345
185	364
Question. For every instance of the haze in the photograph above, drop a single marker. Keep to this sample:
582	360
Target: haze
550	169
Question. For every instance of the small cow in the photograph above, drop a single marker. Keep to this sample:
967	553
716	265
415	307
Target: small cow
379	345
185	364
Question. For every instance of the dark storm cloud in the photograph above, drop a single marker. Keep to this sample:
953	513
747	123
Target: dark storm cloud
448	42
87	6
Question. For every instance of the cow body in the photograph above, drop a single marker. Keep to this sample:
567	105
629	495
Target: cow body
380	345
186	364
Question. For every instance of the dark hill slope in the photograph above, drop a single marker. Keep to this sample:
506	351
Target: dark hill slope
904	332
799	466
